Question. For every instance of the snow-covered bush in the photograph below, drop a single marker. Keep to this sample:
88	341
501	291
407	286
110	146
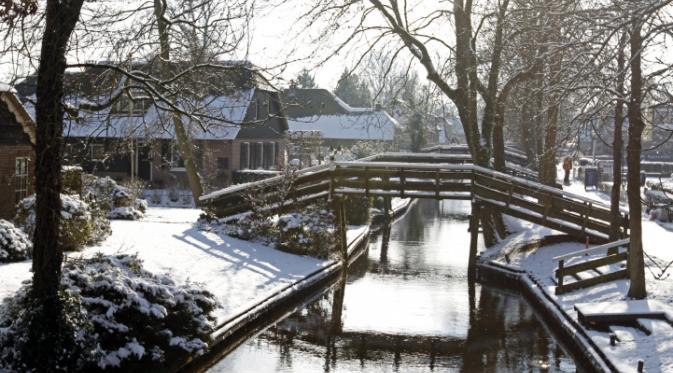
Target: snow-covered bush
81	224
99	188
14	244
71	179
357	210
309	231
118	316
119	202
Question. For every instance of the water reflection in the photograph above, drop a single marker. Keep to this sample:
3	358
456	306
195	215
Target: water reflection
407	307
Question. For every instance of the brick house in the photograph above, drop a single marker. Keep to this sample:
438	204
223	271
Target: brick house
134	139
17	138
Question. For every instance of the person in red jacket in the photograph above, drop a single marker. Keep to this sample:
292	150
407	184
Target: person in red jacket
567	166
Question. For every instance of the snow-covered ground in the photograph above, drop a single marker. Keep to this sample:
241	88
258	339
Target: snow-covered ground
239	273
656	350
656	236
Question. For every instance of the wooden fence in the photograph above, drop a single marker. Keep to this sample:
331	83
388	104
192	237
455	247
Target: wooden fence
592	266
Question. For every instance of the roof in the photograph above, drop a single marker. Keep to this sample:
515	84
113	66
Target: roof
369	126
155	124
320	110
9	97
227	96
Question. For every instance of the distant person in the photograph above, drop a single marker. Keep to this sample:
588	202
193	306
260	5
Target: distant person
567	166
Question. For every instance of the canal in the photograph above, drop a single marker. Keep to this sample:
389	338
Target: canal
406	306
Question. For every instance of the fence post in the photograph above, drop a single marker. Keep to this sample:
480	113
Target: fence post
559	276
474	236
341	226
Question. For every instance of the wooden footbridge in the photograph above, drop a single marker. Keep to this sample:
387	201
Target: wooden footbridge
427	175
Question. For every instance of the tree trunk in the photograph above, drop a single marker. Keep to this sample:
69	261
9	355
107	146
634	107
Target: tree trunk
181	136
61	18
617	148
636	262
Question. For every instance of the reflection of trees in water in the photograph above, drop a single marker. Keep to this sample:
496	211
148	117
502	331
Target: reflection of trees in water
503	336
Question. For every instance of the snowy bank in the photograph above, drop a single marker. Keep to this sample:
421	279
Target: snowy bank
534	267
239	273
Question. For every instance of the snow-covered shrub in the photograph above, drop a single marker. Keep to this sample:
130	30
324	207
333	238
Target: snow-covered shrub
357	210
14	244
81	224
119	202
71	179
119	317
99	188
309	232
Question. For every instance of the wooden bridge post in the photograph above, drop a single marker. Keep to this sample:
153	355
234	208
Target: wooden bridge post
474	237
342	240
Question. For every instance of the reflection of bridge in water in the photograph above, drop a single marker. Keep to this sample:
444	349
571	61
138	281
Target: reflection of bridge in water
411	311
436	176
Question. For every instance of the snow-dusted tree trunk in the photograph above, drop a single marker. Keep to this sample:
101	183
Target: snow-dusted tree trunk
45	329
636	261
185	146
618	144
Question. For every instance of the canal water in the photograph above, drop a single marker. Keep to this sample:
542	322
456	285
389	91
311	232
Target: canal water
407	307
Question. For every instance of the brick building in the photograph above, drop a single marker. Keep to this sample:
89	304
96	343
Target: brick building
17	137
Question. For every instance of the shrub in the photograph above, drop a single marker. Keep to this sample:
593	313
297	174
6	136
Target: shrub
118	202
81	223
309	232
71	179
357	210
119	317
15	246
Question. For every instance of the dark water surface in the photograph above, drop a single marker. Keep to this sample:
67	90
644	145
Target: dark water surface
408	307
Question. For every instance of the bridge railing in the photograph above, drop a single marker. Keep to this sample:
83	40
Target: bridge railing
594	265
513	195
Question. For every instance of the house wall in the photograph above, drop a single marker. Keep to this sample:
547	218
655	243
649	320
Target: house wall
8	155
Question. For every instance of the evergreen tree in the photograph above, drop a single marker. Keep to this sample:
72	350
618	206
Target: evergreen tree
305	79
353	90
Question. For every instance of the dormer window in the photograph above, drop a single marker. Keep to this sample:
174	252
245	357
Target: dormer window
125	106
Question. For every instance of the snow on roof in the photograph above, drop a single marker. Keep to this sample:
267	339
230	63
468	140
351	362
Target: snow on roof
347	107
6	88
156	124
366	125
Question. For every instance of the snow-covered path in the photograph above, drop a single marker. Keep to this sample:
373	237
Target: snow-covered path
656	239
239	273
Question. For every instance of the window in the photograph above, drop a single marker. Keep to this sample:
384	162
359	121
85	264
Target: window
269	155
97	152
222	164
125	106
176	161
254	109
258	110
257	155
269	107
21	178
245	155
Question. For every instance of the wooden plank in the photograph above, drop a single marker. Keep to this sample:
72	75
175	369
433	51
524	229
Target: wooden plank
606	246
408	185
502	184
578	234
565	288
591	264
492	194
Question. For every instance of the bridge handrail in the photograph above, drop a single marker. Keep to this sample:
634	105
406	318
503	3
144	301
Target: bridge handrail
269	181
472	167
538	186
606	246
